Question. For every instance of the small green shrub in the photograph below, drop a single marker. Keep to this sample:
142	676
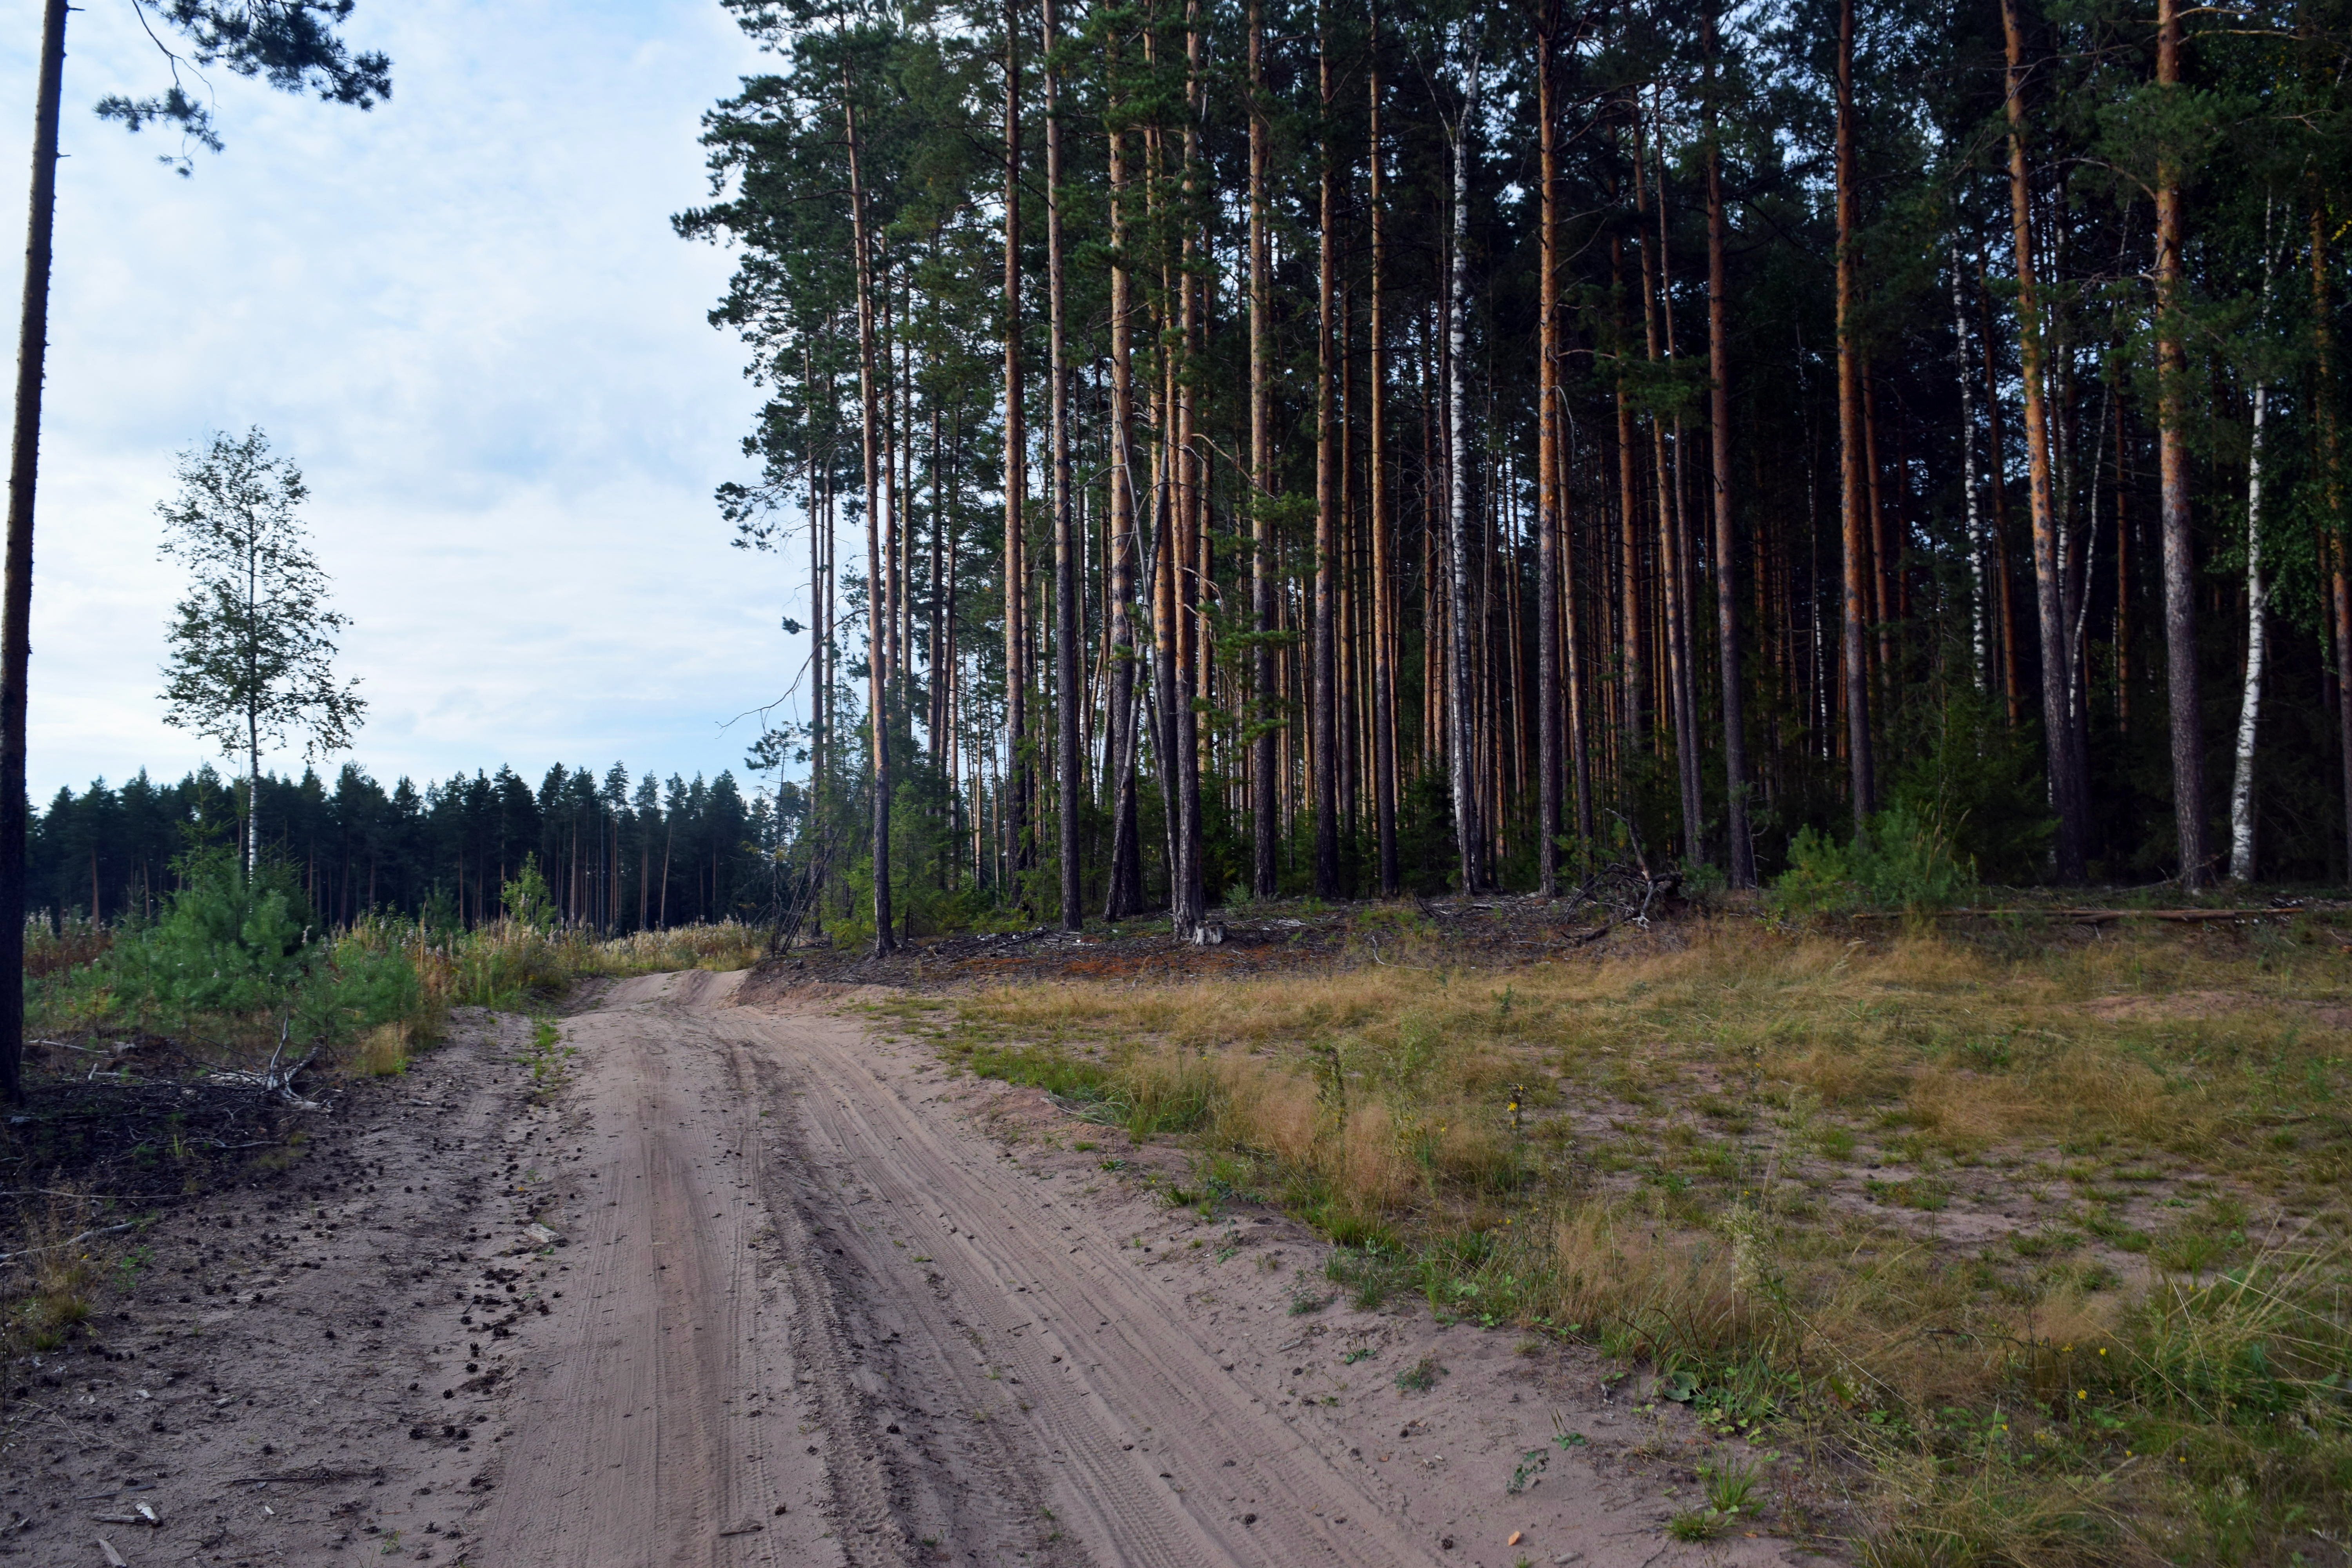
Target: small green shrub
1900	860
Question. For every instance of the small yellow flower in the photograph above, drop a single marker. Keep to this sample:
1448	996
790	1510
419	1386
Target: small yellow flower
2103	1349
2082	1394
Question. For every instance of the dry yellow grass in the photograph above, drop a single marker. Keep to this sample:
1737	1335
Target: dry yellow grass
1979	1200
383	1050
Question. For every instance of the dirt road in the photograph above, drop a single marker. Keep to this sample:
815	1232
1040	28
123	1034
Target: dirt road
797	1297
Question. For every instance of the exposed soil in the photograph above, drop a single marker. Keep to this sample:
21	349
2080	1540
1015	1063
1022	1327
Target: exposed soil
794	1296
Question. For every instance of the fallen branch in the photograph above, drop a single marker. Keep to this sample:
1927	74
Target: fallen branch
76	1241
315	1474
270	1081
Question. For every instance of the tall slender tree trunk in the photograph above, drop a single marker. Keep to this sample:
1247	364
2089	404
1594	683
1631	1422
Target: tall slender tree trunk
1126	895
1973	513
1853	478
1323	690
1384	615
1672	579
1266	762
1470	843
1630	662
2058	730
1188	464
1017	759
2172	473
17	590
1740	849
1549	487
879	639
2331	491
2258	594
2249	701
1067	633
2123	588
1997	434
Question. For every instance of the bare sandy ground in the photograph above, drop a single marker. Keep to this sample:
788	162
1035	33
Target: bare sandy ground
795	1297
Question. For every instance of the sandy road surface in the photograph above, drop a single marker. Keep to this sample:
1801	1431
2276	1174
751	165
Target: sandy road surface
821	1279
799	1297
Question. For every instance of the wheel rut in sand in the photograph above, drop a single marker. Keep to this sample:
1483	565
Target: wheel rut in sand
823	1316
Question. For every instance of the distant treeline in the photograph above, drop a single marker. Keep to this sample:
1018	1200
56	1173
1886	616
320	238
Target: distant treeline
615	857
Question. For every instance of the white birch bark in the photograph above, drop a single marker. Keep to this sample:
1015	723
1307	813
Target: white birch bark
2250	705
1458	757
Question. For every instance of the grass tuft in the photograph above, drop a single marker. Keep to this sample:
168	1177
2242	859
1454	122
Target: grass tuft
2012	1222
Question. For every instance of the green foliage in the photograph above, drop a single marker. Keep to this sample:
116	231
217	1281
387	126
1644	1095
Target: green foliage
238	955
253	640
226	943
526	899
1981	782
1900	860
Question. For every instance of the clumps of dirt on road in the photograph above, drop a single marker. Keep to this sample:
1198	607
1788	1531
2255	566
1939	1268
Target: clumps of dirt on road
292	1343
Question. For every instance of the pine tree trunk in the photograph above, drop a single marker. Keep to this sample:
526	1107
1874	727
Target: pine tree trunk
1016	789
1265	762
1740	846
2172	472
1188	465
1384	613
1323	693
1630	663
2065	780
1126	895
16	592
2331	490
1997	432
1549	488
1854	479
878	641
1067	633
1673	582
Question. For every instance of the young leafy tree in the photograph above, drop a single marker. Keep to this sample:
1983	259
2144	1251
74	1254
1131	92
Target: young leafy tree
252	644
292	44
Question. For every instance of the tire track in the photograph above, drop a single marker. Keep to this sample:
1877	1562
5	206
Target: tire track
1135	1419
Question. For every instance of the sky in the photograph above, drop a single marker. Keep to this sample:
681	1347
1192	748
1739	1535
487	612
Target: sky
464	315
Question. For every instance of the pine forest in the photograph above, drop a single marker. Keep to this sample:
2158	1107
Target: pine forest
1338	451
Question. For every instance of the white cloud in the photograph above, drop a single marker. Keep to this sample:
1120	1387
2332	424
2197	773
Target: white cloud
466	316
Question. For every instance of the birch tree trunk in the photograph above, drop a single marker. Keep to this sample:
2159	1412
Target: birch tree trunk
2258	594
2249	701
1975	520
1469	842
